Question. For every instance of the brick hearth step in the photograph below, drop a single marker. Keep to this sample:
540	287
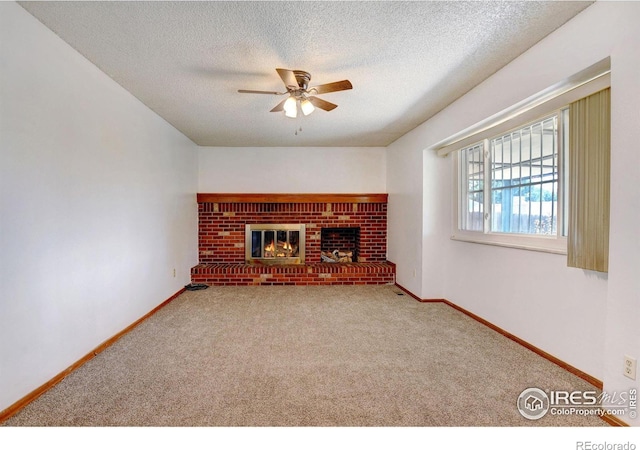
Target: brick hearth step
239	274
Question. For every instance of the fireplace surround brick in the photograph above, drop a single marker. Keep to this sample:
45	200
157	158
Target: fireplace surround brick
221	242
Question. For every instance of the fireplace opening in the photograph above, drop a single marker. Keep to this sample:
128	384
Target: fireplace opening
275	243
339	245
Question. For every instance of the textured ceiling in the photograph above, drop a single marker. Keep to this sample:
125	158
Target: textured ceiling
406	60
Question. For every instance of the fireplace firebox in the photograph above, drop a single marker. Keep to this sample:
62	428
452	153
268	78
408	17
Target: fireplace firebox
340	244
275	243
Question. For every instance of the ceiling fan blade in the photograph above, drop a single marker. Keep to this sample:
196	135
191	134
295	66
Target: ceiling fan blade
289	78
322	104
331	87
249	91
279	106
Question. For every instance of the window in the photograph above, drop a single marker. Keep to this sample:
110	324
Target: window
511	169
511	186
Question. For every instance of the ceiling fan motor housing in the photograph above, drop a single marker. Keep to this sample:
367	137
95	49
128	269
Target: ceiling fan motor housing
302	78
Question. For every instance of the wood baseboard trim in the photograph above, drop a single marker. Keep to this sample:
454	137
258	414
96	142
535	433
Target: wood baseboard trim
611	420
614	421
24	401
569	368
409	293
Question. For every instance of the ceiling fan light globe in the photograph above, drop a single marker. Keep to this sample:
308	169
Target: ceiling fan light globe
290	107
292	114
307	107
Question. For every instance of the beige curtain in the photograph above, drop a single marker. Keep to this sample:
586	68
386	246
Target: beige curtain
589	174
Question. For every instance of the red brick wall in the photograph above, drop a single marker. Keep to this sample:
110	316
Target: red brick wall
221	227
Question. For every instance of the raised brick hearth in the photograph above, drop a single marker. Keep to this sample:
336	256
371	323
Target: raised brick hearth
222	219
301	274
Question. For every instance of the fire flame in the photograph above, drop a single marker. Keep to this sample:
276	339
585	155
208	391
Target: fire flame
279	251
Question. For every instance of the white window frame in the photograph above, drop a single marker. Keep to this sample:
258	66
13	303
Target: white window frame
539	242
544	104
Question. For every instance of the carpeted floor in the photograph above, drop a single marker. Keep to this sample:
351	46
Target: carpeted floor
304	356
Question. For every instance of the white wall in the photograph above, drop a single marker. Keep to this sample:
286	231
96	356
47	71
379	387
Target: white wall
417	183
586	319
292	170
622	323
97	206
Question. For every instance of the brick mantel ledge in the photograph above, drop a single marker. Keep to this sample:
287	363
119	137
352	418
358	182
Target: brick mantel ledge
292	198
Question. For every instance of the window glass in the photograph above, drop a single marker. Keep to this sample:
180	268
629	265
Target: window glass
472	189
524	179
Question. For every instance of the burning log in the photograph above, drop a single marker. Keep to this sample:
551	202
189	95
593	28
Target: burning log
281	250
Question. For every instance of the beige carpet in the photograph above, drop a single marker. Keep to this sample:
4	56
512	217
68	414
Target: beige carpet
304	356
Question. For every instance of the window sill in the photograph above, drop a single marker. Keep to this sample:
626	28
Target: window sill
553	245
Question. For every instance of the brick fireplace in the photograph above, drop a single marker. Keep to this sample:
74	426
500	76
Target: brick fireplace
345	224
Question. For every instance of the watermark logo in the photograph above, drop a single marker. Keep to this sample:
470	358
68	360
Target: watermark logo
533	403
589	445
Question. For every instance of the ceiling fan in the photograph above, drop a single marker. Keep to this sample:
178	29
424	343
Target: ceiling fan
297	84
